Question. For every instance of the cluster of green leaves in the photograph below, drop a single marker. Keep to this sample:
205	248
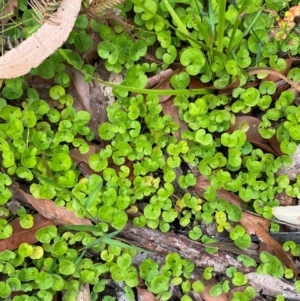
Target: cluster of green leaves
271	265
284	109
215	54
57	258
35	141
175	272
25	26
235	279
228	159
120	49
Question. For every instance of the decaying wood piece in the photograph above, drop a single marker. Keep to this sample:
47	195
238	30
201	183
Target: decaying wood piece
269	285
34	50
165	243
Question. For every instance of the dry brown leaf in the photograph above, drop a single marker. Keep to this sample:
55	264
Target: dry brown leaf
21	235
252	134
195	83
34	50
169	108
275	144
145	295
166	85
167	101
93	97
47	208
202	184
82	159
79	90
77	157
284	199
157	78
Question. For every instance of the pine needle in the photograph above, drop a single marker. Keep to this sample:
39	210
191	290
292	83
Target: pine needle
45	10
97	7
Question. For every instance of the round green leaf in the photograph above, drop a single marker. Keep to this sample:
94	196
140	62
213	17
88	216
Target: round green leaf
124	261
83	41
14	129
193	59
109	51
180	81
26	221
137	50
61	162
152	212
159	284
46	69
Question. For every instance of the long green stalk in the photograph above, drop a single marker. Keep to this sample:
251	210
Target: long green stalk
190	92
221	24
180	25
236	25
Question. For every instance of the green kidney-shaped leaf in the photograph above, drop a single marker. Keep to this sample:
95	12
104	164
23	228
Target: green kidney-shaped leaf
159	284
193	59
83	41
135	77
28	118
109	51
14	129
5	290
46	69
232	67
61	162
41	140
28	157
137	50
13	88
97	163
180	81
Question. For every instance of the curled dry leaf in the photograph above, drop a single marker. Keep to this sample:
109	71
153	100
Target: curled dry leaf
21	235
157	78
47	208
166	85
45	41
169	108
275	144
93	97
289	214
167	101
